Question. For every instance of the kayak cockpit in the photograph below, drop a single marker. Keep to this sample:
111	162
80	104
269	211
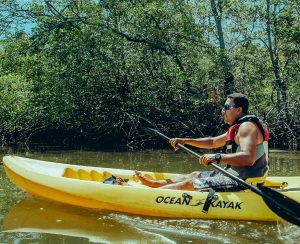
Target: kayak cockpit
101	176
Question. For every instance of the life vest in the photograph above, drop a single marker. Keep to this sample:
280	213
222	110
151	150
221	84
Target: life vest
231	146
260	166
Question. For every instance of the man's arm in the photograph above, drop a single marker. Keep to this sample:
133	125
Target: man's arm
247	136
207	142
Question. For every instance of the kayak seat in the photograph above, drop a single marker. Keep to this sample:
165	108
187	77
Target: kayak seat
106	174
159	176
70	173
96	176
85	175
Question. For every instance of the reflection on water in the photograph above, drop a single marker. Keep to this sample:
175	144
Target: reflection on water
39	216
30	220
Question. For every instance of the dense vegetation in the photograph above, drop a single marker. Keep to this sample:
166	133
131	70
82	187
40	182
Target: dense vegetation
89	68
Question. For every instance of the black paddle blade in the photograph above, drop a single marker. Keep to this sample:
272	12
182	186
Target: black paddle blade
286	207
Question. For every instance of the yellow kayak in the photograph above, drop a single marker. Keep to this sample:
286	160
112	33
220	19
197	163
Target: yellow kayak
83	186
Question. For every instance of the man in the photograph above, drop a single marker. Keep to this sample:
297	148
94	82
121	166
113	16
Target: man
245	156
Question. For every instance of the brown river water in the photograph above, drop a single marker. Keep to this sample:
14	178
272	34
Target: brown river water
24	219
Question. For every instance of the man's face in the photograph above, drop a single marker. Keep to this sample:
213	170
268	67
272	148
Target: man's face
230	112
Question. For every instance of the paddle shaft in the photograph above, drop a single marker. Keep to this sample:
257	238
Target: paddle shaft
239	180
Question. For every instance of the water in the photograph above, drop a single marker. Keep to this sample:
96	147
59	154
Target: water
28	220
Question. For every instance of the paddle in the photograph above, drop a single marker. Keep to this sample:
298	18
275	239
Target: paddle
280	204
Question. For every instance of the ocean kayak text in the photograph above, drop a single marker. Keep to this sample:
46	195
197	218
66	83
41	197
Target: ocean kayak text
188	201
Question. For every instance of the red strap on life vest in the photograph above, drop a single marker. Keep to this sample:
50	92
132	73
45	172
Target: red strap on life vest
231	132
267	135
234	129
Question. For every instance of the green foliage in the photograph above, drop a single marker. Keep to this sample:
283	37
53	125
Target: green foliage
88	64
14	98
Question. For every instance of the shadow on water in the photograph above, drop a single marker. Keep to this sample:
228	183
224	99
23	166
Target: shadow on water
27	220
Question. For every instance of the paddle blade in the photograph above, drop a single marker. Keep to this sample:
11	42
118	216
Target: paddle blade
145	123
282	205
146	126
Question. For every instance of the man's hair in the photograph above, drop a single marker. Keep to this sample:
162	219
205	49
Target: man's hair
240	100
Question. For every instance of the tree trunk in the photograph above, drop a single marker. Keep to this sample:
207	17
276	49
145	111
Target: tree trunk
279	84
228	76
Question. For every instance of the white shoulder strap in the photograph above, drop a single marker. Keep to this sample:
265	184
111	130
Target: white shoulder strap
266	148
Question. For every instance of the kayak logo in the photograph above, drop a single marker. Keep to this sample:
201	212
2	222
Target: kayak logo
226	204
187	199
184	200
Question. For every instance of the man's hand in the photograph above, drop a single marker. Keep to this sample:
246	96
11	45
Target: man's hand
175	141
206	159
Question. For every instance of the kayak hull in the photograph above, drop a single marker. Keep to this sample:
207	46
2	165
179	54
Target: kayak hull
49	180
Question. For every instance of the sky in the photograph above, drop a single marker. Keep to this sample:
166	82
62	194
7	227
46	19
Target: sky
18	24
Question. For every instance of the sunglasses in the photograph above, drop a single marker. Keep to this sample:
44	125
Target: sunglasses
228	106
